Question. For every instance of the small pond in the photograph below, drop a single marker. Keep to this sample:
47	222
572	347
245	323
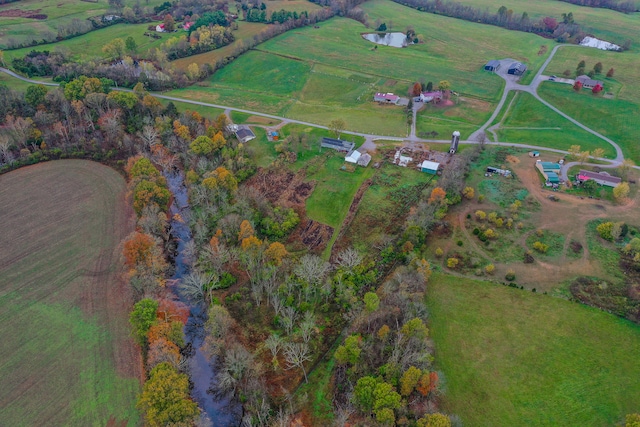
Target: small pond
387	39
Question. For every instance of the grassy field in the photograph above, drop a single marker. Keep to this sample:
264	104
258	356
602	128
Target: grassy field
66	355
605	24
530	122
59	12
614	118
89	46
515	358
335	72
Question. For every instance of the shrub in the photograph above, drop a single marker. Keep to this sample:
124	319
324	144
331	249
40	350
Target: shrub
459	243
439	252
605	230
540	247
528	257
476	231
510	276
489	269
481	215
452	262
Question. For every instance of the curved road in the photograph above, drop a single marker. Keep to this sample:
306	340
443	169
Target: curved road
511	84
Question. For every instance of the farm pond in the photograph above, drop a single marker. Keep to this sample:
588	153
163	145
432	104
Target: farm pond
387	39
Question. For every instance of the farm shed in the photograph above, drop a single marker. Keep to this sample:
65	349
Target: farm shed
364	160
431	96
387	98
517	69
492	65
337	144
429	167
601	178
549	171
534	154
353	156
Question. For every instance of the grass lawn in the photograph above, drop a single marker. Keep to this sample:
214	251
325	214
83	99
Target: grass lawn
531	122
67	357
514	358
614	118
89	46
208	112
13	83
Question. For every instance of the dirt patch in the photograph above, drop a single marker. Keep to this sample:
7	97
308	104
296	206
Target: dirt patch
290	190
262	120
18	13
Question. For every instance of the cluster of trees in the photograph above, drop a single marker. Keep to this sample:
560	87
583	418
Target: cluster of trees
547	26
202	39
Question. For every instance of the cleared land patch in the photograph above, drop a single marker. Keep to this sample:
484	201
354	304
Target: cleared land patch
67	357
511	357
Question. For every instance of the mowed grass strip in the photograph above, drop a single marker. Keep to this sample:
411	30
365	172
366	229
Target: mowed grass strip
528	121
67	357
613	118
514	358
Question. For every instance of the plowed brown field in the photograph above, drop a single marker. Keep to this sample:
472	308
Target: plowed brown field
66	357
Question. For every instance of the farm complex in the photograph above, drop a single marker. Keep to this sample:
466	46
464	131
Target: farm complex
296	213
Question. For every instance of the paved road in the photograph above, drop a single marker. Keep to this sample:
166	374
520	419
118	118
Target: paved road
511	84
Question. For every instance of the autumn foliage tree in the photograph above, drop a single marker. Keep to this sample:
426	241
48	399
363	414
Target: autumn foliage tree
138	249
165	398
437	195
275	253
577	86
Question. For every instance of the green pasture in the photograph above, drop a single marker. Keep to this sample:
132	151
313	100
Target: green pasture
605	24
208	112
515	358
528	121
59	12
614	118
89	46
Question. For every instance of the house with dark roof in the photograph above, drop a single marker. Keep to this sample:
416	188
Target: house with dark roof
337	144
601	178
492	65
517	69
387	98
244	134
588	82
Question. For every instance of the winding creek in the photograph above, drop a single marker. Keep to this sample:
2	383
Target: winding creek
219	411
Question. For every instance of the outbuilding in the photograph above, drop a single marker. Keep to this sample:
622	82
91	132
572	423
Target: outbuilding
492	65
601	178
429	167
387	98
517	69
353	156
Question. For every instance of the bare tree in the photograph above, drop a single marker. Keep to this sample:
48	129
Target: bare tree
274	344
149	136
349	258
296	354
342	414
307	327
196	285
312	269
282	419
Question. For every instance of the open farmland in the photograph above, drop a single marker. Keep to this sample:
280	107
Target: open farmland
66	357
89	46
58	12
528	121
336	71
514	358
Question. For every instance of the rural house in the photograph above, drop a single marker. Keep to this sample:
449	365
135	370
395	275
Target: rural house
243	133
429	167
588	82
601	178
549	171
431	96
386	98
517	69
364	160
337	144
492	65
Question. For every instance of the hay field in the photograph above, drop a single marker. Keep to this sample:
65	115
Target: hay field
66	356
514	358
